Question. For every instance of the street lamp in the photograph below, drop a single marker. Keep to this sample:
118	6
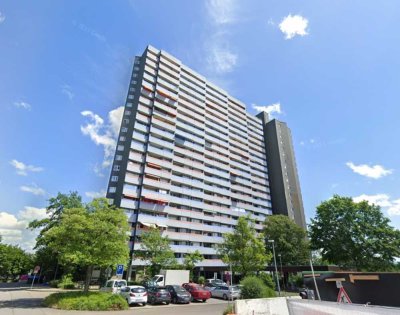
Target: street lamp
282	274
276	268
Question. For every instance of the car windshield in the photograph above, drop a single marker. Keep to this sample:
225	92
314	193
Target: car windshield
177	288
162	290
138	290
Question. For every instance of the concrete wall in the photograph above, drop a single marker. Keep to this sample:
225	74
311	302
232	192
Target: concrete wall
271	306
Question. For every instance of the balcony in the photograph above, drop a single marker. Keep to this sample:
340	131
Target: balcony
187	144
218	190
136	157
187	181
192	236
246	189
172	87
160	152
189	172
133	193
235	179
209	160
128	203
190	106
214	180
191	163
160	123
217	172
170	72
165	76
162	133
225	201
134	168
164	163
164	116
190	136
139	137
190	249
156	183
132	179
138	146
167	97
160	142
154	195
144	110
243	166
189	153
156	172
143	119
186	202
140	127
186	191
145	101
152	206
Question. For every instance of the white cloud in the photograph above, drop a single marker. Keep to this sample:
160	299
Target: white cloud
66	90
382	200
2	17
23	169
115	118
221	60
33	189
293	25
375	171
13	228
23	105
222	11
96	194
269	109
102	133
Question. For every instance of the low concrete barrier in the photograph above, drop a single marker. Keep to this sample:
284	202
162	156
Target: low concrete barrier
270	306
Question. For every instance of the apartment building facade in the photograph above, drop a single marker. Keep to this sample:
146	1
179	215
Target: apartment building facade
189	160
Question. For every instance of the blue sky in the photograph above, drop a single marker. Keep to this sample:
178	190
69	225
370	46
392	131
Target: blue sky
329	69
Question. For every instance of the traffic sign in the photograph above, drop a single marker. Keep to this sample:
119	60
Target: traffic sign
36	270
120	270
342	296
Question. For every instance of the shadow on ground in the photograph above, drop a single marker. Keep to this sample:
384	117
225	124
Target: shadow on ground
22	303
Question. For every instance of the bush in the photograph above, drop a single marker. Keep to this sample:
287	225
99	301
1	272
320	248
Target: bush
201	280
66	282
267	280
254	288
90	301
229	310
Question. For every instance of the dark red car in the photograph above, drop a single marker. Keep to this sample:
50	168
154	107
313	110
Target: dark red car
197	292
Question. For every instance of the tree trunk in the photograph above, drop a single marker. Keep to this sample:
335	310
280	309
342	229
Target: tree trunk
88	278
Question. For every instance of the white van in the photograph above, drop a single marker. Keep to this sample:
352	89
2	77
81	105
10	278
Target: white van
114	286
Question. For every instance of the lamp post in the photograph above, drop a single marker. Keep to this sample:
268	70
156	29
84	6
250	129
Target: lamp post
276	268
282	274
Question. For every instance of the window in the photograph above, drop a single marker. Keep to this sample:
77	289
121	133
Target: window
136	68
127	112
124	129
118	157
114	178
112	190
129	104
116	168
126	121
134	75
122	138
134	82
120	148
130	97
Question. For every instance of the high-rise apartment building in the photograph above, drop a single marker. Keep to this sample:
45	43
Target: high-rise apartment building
189	160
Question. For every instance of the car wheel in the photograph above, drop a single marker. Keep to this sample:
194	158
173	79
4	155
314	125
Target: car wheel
144	304
225	297
204	300
174	301
167	303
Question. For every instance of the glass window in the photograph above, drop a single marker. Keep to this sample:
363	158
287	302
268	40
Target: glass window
112	189
114	178
118	157
129	104
116	168
124	129
120	148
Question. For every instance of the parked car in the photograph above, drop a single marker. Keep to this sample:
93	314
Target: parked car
214	283
178	294
158	295
134	294
114	286
197	292
148	284
226	292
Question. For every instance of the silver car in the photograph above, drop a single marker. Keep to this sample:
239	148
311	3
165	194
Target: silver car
226	293
134	294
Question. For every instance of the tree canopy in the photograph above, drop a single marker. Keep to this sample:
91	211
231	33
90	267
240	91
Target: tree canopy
290	239
354	235
155	250
95	235
14	261
244	248
191	259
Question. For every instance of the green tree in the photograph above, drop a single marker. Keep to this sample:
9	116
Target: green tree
244	248
91	236
191	259
290	239
14	261
354	235
54	210
155	250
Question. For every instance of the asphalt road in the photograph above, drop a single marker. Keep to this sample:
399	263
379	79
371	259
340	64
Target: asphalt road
17	299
